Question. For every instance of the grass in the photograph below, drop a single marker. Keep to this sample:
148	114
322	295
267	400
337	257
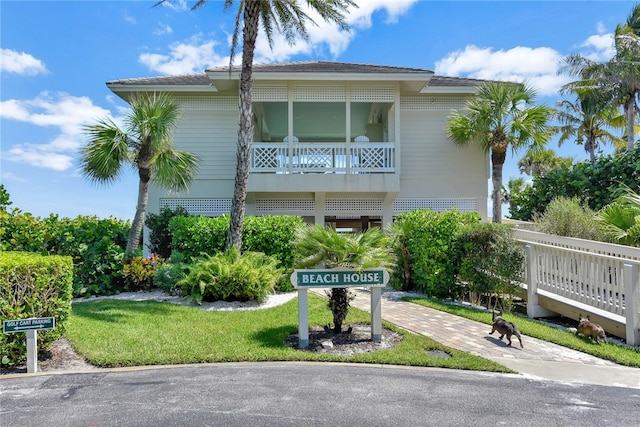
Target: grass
114	333
623	355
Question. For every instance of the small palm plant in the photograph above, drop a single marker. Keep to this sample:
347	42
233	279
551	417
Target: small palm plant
621	218
317	246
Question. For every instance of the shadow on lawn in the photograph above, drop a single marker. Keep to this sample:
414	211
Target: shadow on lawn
115	311
274	337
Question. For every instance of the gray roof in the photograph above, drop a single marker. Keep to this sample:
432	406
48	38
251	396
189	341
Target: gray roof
202	79
324	67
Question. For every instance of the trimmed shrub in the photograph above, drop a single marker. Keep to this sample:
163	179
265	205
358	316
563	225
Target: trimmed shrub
424	245
32	285
491	262
229	276
195	236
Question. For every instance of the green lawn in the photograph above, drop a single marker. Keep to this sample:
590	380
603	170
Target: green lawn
623	355
112	333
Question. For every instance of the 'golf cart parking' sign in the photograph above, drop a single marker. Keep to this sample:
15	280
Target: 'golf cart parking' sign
333	278
23	325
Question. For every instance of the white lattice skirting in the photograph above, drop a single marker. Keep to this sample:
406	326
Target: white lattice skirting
362	206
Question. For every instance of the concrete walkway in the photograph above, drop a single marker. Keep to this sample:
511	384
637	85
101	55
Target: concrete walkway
538	359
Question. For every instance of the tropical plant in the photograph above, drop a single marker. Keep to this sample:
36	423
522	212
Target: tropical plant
138	272
231	276
317	246
289	18
621	218
499	116
146	144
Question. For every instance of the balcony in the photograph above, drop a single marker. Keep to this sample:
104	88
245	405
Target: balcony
324	166
324	158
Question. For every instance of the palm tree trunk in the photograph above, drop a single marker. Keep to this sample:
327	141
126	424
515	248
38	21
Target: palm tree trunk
245	133
497	162
630	109
141	208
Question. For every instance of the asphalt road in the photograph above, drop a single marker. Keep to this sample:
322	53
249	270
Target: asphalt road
307	394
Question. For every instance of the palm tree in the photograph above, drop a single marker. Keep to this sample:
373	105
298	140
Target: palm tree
616	82
588	124
539	162
317	245
146	144
289	18
500	115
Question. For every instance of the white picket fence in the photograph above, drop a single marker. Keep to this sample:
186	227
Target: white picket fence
599	277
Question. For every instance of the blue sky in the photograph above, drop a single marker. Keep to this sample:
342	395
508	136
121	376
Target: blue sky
57	55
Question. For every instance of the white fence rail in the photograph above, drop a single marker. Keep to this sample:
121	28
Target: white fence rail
599	275
329	157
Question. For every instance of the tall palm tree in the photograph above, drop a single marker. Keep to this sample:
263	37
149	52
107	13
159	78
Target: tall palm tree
500	115
616	82
586	124
317	245
290	19
146	144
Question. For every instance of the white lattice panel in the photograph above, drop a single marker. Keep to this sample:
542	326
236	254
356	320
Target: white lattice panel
269	93
438	205
265	206
344	205
319	93
208	103
372	93
199	206
433	103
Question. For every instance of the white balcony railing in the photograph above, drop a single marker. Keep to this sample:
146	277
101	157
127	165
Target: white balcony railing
328	157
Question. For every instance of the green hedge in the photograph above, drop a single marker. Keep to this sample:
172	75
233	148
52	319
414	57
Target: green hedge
33	285
424	244
97	246
271	235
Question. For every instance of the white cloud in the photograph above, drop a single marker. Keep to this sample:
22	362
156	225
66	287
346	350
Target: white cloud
192	56
163	29
180	5
63	112
322	35
360	17
130	19
598	47
327	35
537	66
20	63
8	176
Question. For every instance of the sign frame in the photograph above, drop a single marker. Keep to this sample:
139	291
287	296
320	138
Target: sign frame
30	324
376	296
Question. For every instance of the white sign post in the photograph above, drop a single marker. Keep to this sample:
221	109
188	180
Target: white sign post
31	327
304	280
